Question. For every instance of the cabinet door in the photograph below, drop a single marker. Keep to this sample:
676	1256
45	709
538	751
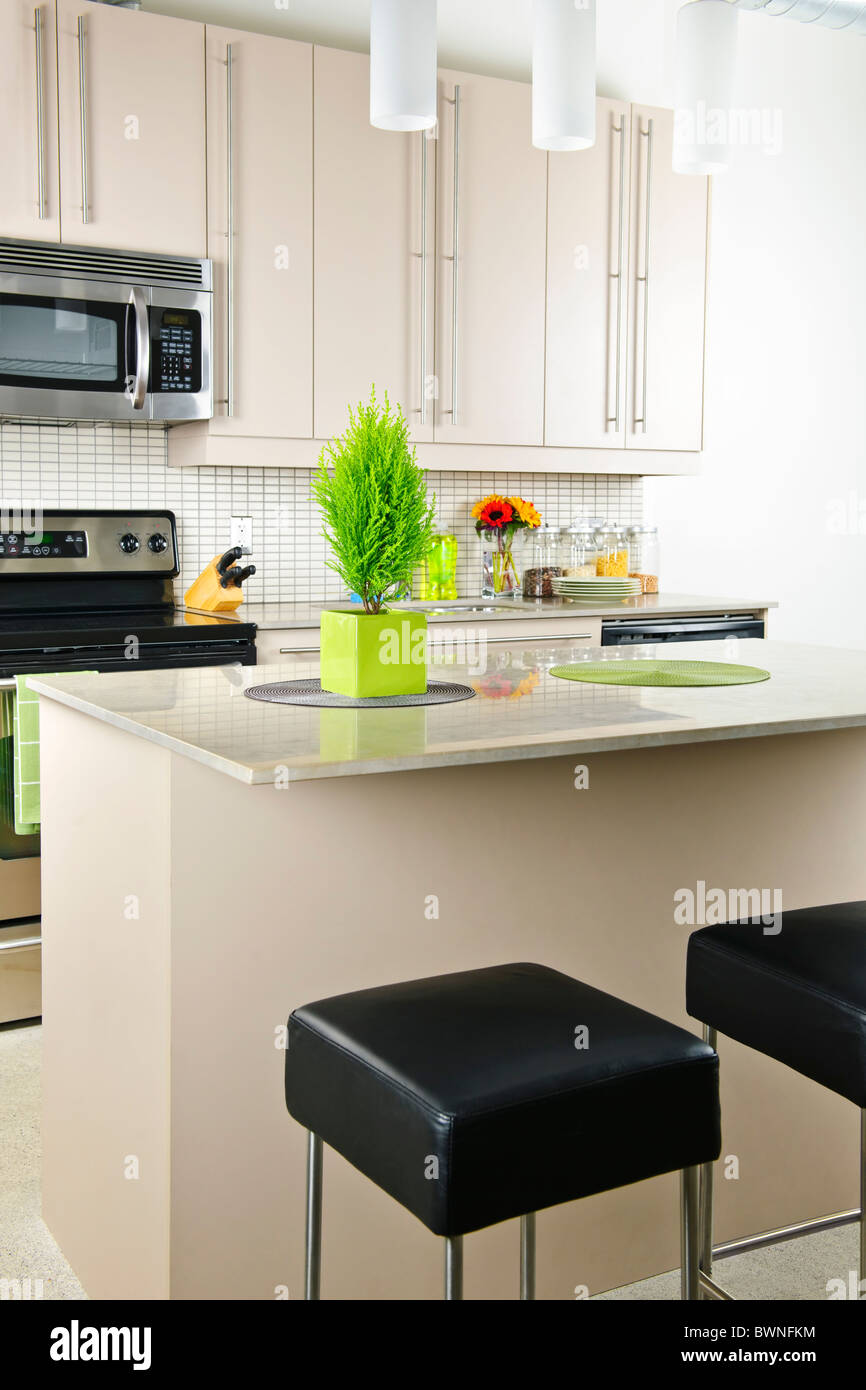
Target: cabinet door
132	129
374	217
667	291
29	170
260	187
490	320
587	287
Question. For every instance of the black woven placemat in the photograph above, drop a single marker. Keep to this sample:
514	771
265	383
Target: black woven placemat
310	692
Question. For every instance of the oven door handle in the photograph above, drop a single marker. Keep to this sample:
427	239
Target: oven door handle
137	385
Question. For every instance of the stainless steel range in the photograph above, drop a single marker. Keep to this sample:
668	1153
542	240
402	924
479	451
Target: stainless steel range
83	591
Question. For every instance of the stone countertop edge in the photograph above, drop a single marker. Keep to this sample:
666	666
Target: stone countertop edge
822	709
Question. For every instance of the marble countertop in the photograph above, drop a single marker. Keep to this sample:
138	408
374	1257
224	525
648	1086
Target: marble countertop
284	615
204	713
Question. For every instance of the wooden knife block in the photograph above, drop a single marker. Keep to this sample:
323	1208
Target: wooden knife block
207	593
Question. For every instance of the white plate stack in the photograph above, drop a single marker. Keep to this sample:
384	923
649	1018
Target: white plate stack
603	589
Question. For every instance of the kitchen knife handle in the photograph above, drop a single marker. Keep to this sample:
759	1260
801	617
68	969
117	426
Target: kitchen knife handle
229	558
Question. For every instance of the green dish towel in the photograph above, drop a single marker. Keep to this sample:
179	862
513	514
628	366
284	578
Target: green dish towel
666	673
25	731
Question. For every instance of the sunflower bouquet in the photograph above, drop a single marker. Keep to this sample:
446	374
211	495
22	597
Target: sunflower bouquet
498	520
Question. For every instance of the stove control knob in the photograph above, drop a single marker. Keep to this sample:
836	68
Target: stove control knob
157	544
129	543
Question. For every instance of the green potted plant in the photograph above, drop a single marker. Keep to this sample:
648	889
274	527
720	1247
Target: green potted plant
378	522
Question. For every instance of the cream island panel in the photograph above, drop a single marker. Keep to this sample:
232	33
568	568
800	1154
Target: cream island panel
163	1029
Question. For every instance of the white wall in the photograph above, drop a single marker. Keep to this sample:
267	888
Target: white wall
785	429
786	366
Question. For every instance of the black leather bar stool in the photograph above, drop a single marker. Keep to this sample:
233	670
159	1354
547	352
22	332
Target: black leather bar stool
798	995
480	1096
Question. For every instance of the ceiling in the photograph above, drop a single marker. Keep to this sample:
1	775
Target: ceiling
490	36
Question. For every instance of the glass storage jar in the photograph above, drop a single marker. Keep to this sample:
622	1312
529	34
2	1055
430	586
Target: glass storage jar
612	558
543	562
580	549
644	557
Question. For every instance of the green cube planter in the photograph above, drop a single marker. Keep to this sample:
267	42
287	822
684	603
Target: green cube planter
370	654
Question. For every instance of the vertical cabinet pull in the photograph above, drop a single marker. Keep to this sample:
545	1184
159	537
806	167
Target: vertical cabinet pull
40	118
82	111
230	234
645	278
455	282
620	262
423	356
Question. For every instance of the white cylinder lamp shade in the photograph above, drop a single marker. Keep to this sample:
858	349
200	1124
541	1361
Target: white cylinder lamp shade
563	74
706	55
403	64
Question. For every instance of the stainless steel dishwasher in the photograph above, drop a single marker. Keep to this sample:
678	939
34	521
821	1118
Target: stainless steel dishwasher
629	632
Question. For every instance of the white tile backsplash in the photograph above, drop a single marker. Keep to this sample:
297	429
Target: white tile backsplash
125	465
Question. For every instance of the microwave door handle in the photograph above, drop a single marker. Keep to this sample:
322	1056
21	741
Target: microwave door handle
138	386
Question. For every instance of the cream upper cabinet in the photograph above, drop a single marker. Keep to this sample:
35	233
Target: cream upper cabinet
587	287
667	291
490	276
374	253
260	232
132	129
29	169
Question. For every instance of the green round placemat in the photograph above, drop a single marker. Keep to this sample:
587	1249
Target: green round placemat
668	673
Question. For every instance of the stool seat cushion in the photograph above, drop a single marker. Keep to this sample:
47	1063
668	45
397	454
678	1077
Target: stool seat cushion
466	1098
798	996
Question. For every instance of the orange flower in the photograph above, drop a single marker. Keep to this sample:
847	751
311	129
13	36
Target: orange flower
493	511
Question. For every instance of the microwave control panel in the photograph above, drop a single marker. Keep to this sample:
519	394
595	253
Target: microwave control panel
177	351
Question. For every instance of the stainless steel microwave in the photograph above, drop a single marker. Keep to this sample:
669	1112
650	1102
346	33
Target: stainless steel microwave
89	334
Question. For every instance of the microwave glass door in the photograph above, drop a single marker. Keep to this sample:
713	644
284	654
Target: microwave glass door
62	344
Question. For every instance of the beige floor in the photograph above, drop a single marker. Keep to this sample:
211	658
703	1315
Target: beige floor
798	1269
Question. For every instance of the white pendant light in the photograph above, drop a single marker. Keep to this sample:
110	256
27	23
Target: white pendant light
403	64
563	74
706	55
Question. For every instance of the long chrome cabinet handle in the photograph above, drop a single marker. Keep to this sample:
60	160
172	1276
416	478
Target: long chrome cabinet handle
142	347
82	110
424	137
230	233
620	263
293	651
645	278
40	117
455	283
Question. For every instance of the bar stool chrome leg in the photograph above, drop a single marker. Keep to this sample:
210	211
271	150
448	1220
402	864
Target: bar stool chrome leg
453	1267
527	1256
711	1037
690	1234
313	1247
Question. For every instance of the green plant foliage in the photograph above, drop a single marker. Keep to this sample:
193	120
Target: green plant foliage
376	514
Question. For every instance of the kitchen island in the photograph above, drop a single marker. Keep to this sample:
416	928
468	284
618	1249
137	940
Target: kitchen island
211	862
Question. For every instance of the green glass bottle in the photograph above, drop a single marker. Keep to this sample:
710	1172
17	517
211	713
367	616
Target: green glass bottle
439	570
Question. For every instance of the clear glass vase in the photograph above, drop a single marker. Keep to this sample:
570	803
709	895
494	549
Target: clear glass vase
501	568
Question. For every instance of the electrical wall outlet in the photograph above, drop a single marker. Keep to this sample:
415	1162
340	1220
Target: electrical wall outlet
242	533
